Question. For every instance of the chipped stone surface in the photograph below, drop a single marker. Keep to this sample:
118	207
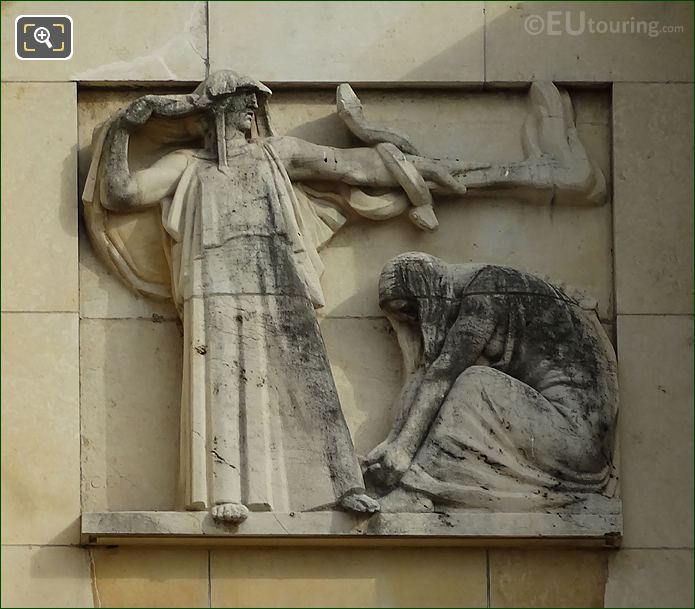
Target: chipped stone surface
122	41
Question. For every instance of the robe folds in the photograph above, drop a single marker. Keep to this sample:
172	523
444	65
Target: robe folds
528	420
237	251
261	419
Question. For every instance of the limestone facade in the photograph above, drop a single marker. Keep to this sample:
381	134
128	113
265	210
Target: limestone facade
80	352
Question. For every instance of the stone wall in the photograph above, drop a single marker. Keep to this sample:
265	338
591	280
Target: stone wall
80	352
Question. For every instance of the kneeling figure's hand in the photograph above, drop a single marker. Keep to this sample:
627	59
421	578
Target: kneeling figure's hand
387	463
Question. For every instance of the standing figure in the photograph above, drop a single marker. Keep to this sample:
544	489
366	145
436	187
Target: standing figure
511	398
261	425
237	234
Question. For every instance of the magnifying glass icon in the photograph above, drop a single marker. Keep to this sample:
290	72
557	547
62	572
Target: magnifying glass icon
43	36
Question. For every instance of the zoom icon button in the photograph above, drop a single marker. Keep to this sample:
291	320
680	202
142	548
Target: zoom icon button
43	37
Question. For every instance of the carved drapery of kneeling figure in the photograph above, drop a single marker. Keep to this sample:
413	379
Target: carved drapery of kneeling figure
510	399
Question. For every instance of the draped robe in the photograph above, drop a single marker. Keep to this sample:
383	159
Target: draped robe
528	420
261	422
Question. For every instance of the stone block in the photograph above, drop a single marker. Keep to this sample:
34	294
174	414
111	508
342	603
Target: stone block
592	109
39	211
46	577
151	577
40	428
653	148
130	394
650	578
104	296
655	362
348	577
122	41
588	42
366	364
547	578
314	42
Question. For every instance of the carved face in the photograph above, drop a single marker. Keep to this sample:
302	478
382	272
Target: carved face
239	109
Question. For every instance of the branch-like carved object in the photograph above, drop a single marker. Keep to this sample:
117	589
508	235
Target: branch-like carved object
390	144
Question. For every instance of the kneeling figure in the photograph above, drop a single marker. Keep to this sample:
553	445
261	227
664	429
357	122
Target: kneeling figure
510	402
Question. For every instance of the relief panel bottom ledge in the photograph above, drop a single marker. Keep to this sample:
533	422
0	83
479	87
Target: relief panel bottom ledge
270	528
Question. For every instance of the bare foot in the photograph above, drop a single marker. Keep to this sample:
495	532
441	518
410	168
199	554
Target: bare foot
359	502
229	512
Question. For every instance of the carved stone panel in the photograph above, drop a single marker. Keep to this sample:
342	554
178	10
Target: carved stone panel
509	399
510	395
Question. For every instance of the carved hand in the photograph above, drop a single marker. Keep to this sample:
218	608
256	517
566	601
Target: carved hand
439	173
170	106
138	112
387	463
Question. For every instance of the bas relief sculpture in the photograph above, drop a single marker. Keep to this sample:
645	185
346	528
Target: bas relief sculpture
510	398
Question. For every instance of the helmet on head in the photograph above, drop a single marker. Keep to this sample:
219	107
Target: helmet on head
225	82
219	85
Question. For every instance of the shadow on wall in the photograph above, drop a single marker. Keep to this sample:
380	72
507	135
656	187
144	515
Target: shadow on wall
577	42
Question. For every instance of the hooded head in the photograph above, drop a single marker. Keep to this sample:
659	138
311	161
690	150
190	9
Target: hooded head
417	295
410	277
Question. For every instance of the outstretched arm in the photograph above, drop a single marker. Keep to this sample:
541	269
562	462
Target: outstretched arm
357	166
